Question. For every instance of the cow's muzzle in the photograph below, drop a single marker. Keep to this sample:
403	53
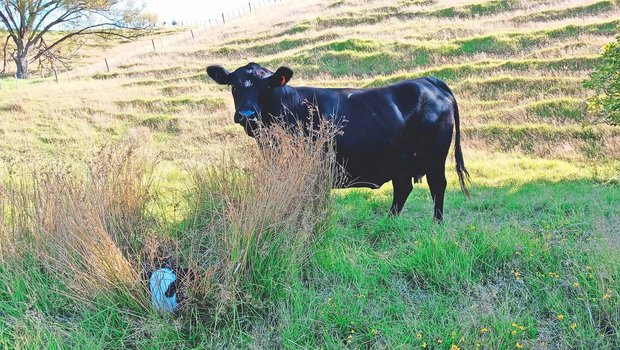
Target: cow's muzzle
246	115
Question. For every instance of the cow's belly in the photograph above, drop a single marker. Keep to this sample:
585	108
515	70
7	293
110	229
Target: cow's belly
374	172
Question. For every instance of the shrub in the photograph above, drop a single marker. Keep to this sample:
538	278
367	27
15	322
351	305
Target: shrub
605	81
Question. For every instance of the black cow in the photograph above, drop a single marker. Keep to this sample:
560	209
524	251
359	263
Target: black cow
398	132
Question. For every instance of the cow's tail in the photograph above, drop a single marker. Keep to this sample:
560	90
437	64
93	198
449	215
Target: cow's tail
464	178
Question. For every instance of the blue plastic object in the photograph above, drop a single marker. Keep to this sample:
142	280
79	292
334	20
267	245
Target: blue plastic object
159	283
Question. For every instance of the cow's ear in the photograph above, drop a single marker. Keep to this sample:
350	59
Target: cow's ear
280	77
219	74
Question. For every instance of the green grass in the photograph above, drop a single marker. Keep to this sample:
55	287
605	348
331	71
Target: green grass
480	9
491	264
591	9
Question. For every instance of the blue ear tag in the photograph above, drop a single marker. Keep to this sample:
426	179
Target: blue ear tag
159	282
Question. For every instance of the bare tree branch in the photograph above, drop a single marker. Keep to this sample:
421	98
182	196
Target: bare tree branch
6	42
28	21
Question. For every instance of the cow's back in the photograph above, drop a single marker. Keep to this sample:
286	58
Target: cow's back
385	130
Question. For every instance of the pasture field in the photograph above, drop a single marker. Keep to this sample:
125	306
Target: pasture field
105	177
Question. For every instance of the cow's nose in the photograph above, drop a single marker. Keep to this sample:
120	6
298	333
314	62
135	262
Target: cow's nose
246	114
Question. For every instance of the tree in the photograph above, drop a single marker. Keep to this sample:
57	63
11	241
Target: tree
605	81
28	21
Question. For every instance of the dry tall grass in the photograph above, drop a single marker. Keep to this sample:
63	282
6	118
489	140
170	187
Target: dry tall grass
258	220
81	226
89	229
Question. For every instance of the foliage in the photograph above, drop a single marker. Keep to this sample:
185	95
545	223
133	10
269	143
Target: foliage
605	81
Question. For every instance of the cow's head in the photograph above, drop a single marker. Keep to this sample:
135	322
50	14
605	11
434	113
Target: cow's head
252	88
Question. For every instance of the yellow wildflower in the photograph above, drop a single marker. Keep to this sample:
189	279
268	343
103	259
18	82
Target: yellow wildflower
573	325
576	284
514	332
439	341
419	335
454	347
514	325
374	332
518	345
560	317
484	330
424	345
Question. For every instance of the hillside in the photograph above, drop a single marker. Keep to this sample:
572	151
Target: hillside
516	67
530	260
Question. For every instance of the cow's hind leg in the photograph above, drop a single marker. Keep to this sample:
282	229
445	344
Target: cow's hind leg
436	178
402	188
436	174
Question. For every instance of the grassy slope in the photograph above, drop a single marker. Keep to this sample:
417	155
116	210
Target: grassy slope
538	239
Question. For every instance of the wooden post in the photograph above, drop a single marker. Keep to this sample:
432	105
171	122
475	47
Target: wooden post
107	66
223	18
192	31
250	6
153	41
56	75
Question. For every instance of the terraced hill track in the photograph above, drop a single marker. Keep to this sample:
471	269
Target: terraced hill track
516	67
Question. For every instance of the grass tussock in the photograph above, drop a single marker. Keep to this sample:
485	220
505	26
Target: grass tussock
258	221
81	226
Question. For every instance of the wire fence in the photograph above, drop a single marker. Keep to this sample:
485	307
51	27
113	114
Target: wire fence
197	31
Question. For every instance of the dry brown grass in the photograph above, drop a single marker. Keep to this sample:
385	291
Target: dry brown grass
254	222
258	220
83	226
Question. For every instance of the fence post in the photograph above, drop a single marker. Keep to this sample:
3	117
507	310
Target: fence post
56	75
153	41
223	18
192	31
107	66
250	6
